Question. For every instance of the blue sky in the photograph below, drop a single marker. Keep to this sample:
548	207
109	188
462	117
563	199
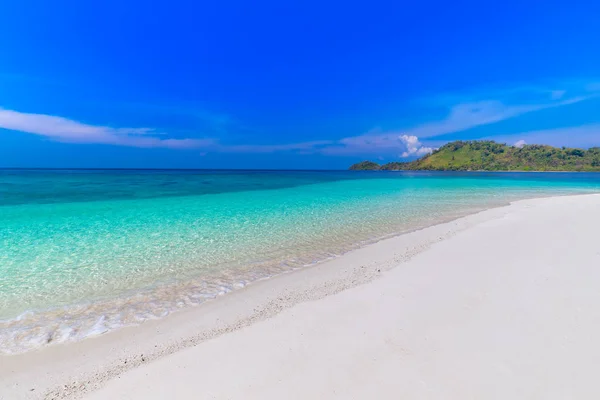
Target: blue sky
307	84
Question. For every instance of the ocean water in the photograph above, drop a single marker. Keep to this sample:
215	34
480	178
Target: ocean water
86	251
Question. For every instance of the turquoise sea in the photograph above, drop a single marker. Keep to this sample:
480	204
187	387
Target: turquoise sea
86	251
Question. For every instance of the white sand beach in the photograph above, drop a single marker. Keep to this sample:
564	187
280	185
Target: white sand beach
503	304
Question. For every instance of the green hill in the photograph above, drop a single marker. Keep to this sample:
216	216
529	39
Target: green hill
492	156
365	166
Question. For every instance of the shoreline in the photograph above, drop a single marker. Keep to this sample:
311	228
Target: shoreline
233	286
53	368
58	313
97	324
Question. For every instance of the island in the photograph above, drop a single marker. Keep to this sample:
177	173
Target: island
487	155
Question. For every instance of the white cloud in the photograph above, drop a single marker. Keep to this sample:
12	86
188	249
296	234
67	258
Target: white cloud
71	131
414	147
377	144
67	130
519	144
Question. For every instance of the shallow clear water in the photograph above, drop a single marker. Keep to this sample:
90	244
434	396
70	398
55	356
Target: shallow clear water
83	252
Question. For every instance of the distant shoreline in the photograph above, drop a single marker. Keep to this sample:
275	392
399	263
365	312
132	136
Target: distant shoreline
500	171
490	156
262	170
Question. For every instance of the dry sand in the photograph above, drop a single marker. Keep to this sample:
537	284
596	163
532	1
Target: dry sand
504	304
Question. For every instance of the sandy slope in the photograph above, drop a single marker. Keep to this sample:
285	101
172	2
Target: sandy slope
504	304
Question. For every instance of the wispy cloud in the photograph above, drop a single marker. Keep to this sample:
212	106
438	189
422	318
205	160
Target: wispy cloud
271	148
397	144
67	130
557	94
462	116
465	116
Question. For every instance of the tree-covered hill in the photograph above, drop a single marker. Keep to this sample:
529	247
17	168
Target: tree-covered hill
492	156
